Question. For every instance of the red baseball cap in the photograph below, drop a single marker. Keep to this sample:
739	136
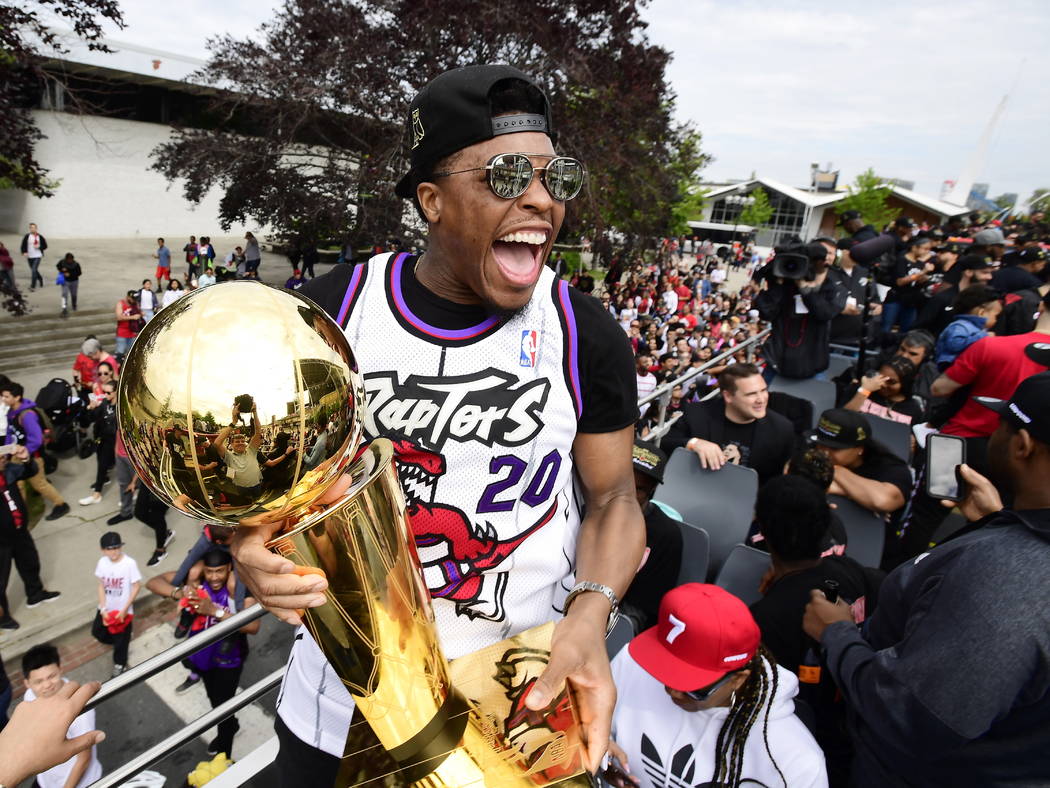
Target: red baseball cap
703	633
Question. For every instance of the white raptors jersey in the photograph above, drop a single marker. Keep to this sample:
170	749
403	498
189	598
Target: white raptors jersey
483	420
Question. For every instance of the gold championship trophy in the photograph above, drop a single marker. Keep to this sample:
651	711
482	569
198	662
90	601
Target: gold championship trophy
241	404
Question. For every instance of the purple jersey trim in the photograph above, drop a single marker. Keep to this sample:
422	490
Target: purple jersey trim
426	328
351	294
574	356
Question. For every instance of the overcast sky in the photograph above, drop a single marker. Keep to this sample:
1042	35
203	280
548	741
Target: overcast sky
905	87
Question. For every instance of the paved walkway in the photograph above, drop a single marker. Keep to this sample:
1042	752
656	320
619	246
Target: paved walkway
69	547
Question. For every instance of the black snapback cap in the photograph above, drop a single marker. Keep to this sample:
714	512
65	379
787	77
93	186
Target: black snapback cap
1039	352
649	459
839	428
454	111
1026	409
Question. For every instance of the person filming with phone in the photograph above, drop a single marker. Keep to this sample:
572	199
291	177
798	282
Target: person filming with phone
949	684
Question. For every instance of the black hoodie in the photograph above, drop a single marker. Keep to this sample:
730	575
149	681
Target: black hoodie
950	683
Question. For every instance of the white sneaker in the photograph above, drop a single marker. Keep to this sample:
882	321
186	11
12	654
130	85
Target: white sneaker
90	499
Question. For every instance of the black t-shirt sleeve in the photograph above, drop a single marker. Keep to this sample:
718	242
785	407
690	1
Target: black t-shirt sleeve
887	468
607	380
327	290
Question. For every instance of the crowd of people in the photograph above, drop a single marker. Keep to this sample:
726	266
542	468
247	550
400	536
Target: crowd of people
927	665
964	352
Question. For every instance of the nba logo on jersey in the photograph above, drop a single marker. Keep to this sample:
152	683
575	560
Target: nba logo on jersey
528	348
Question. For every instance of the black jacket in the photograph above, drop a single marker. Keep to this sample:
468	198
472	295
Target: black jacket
771	445
7	518
798	345
859	284
950	684
937	313
70	270
865	233
25	243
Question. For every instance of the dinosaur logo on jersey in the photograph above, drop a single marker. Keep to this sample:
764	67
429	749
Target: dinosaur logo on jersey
457	555
488	407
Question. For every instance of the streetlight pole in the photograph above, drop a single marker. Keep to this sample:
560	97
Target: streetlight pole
814	168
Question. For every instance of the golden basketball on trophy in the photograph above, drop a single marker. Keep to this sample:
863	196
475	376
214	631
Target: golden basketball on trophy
241	404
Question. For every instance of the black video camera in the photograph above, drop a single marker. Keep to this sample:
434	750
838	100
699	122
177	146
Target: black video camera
793	262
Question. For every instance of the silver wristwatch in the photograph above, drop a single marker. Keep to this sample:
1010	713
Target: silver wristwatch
220	614
614	601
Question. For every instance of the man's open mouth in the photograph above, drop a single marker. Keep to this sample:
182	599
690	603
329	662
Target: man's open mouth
519	255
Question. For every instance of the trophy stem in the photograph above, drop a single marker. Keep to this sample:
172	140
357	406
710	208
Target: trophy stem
377	631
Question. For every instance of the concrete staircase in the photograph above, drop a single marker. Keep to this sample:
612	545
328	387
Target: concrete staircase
43	339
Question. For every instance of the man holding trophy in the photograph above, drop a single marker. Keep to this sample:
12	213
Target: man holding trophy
498	386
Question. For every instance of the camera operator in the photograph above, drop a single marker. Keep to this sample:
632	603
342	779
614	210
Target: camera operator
800	300
949	683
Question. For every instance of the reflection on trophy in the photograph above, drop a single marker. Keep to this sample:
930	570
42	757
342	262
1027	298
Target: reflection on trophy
242	404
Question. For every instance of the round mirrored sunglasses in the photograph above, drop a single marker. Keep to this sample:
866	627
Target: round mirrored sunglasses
511	174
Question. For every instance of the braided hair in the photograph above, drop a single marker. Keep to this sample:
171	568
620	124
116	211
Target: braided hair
748	702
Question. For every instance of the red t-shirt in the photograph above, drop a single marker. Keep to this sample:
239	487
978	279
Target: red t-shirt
127	328
991	367
84	368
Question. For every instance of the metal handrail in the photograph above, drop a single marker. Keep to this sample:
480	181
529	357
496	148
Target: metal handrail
665	388
662	393
169	657
191	730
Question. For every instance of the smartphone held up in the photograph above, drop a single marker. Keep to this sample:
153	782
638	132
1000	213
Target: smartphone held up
944	455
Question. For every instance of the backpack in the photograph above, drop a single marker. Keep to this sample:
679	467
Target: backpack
46	425
50	461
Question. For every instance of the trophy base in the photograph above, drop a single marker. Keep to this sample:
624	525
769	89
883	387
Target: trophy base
503	744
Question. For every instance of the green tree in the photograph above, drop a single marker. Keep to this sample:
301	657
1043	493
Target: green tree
688	202
26	38
1004	201
758	212
868	195
1039	201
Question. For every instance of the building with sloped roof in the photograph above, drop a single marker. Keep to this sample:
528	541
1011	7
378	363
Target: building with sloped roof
811	213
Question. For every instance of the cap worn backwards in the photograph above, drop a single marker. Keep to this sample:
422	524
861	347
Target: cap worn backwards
1026	409
454	111
649	459
839	428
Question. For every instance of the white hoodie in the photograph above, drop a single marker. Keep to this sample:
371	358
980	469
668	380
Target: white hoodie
668	747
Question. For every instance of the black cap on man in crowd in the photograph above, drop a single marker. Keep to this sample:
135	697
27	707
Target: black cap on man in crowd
973	262
454	111
1026	409
1031	255
649	460
839	428
904	221
848	216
